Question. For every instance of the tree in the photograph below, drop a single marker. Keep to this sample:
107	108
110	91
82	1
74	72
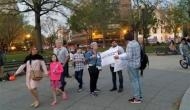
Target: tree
11	27
175	18
93	16
142	16
40	8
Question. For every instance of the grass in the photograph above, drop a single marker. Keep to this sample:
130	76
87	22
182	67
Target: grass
20	55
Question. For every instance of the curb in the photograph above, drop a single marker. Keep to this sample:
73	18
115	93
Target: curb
185	103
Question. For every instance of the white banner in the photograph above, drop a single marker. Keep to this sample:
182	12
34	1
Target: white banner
108	57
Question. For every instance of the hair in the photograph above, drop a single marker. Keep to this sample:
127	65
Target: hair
55	56
129	36
93	43
184	39
172	42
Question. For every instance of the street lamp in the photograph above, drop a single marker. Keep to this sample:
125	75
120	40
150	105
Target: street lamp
28	36
124	31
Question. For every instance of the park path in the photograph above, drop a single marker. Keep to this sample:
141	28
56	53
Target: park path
164	83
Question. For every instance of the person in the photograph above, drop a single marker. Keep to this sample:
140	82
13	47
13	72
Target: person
119	72
1	65
185	49
172	46
55	71
133	64
66	66
63	57
79	60
33	61
93	60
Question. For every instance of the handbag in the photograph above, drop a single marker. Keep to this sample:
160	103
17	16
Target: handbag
36	75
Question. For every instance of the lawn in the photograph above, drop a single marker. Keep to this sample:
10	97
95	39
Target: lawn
20	55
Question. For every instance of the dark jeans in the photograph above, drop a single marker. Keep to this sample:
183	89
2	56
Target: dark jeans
114	78
94	73
66	69
78	77
63	82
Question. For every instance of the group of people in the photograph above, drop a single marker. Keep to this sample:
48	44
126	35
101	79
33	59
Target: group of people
58	69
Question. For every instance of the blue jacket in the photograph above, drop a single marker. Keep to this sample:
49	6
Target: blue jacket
93	61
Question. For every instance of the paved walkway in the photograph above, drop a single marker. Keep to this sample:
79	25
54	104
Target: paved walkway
164	84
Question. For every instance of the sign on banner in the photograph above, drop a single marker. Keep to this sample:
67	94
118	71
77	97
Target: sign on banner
108	56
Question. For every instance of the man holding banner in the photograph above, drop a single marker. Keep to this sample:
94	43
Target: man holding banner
119	50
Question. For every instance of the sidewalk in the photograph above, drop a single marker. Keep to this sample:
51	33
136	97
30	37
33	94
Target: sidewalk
163	87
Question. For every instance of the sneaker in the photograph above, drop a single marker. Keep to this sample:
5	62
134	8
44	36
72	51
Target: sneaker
113	89
120	90
79	90
135	101
93	94
97	90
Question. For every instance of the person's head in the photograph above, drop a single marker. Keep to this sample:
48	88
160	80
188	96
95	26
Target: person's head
58	43
79	50
54	58
34	51
129	36
183	41
94	45
114	43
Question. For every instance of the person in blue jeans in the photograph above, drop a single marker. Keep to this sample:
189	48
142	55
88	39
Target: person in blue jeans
79	60
132	58
93	60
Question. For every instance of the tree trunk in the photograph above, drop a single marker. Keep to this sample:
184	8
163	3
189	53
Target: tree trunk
38	32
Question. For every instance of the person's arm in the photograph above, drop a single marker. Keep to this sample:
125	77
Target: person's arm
43	65
128	54
181	49
67	57
59	69
20	69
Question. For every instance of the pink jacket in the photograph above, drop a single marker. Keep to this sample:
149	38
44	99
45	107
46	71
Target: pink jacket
55	70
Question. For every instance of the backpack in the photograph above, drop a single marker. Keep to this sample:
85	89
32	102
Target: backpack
144	61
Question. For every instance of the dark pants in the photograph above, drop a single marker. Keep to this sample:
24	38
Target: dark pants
114	78
78	77
94	73
63	82
66	69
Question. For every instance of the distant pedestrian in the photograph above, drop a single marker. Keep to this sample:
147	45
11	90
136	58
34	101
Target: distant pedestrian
33	63
1	64
63	56
133	58
119	72
93	59
79	60
55	72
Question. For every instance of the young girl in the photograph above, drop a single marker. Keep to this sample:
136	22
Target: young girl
56	69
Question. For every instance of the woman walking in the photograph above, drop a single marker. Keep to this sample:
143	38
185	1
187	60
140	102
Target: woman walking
33	62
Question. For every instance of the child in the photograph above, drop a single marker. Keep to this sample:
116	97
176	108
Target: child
56	69
79	61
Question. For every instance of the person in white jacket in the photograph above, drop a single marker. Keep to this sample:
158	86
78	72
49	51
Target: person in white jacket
36	62
120	50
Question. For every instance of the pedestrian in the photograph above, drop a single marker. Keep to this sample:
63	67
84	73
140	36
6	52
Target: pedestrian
1	65
79	60
55	71
63	56
93	59
66	67
120	50
33	62
133	57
